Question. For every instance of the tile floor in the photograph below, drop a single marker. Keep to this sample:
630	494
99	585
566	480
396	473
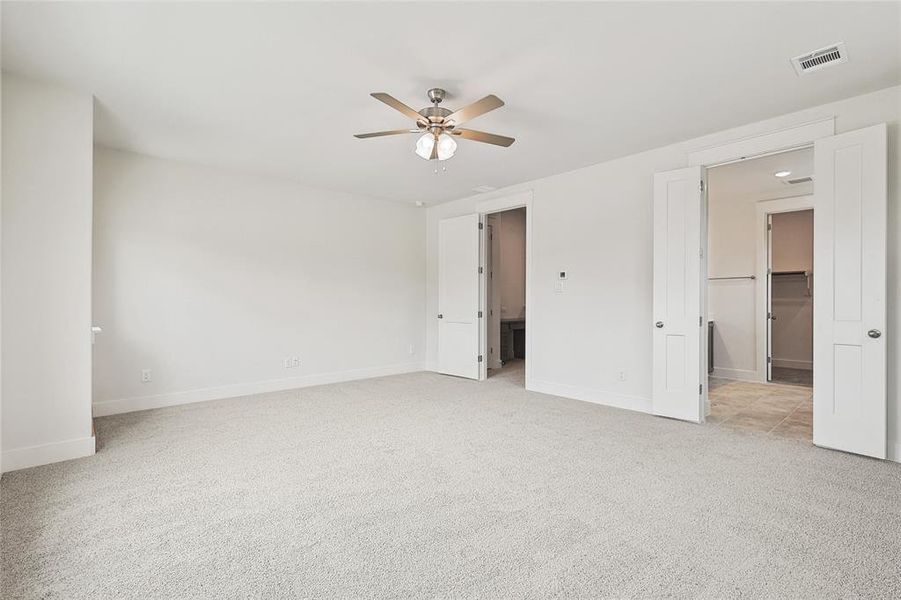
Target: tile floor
793	376
784	411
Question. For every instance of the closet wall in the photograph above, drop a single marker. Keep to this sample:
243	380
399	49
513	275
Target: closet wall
792	250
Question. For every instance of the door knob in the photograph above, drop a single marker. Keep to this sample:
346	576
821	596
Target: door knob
659	324
874	333
440	316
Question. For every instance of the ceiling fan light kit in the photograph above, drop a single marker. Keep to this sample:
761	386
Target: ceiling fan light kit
439	125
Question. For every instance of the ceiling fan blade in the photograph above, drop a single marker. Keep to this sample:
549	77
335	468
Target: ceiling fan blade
397	105
481	136
363	136
467	113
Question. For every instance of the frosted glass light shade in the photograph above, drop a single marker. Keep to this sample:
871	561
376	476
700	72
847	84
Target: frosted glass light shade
424	145
446	146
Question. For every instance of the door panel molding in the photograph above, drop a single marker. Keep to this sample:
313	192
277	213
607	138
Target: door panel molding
850	210
680	281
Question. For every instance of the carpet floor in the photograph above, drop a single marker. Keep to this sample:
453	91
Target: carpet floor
421	485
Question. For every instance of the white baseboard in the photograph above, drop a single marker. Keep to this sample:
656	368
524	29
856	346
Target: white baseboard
787	363
44	454
590	395
124	405
736	374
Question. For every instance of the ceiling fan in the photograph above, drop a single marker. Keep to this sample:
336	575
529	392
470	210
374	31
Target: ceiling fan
439	125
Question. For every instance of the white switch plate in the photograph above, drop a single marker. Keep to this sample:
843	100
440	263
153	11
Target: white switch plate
146	376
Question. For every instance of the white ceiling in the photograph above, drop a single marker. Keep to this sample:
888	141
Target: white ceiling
754	179
280	88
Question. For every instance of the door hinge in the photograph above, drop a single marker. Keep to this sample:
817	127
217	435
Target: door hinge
480	358
481	270
701	252
702	185
481	226
480	314
769	359
769	226
701	321
700	388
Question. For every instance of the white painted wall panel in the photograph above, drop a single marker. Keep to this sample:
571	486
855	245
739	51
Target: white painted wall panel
211	278
46	287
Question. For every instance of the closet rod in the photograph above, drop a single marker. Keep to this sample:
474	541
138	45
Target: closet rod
737	277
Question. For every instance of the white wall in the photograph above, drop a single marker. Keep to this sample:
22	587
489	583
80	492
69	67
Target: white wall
46	270
792	240
211	278
512	263
596	223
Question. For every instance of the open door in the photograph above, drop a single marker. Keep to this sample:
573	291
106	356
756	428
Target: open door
458	296
680	280
849	378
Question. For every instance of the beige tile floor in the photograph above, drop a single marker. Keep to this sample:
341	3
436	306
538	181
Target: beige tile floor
779	410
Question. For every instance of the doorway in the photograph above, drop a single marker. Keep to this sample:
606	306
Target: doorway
790	297
760	295
850	233
505	283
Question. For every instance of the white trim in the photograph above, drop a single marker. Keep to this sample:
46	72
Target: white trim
594	396
769	207
788	363
505	202
735	374
893	452
124	405
44	454
522	199
759	144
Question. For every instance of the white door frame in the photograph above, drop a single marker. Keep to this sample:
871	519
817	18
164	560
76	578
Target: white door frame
484	208
764	209
762	143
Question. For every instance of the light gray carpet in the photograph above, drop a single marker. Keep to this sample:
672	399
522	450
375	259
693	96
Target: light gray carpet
428	486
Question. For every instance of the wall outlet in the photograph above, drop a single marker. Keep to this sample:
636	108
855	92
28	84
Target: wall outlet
290	362
146	376
622	375
286	362
295	361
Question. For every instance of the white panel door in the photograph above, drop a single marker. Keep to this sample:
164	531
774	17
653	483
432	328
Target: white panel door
679	293
769	298
458	296
849	387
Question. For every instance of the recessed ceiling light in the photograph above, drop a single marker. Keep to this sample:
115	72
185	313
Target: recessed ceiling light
420	203
782	173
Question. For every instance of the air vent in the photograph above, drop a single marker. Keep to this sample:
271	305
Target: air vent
798	180
820	59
